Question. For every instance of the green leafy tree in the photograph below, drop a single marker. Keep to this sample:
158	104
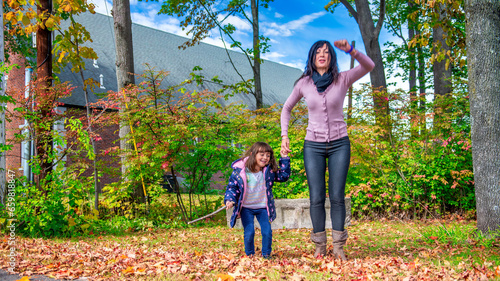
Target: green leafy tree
443	33
178	132
23	20
405	61
411	177
57	205
204	16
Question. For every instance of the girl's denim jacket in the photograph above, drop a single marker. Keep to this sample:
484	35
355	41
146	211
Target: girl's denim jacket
237	185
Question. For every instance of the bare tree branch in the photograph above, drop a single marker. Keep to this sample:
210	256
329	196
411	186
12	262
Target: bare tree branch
381	17
351	9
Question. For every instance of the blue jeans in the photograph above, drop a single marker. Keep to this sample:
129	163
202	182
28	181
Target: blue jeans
247	220
338	153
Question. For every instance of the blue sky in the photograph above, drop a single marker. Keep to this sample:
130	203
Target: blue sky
292	25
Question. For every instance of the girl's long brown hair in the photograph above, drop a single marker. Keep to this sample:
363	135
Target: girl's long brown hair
256	148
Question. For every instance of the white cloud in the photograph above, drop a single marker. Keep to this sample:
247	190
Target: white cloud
278	15
164	23
287	29
296	64
239	23
272	56
147	15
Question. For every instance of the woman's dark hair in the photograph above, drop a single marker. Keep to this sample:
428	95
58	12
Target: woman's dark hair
311	58
256	148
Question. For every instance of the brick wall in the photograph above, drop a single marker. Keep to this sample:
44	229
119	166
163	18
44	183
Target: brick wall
109	135
15	83
107	138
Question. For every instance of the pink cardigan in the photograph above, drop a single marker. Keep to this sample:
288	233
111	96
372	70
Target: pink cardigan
326	116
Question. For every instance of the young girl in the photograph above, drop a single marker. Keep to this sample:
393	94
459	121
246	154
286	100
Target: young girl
250	190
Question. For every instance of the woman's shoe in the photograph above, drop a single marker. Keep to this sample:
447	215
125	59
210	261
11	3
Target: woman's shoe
339	240
319	239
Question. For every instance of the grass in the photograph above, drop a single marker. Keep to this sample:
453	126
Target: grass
378	250
160	246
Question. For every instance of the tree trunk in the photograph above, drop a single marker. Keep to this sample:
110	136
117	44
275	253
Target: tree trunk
483	47
370	34
256	54
412	79
44	76
421	88
124	65
442	74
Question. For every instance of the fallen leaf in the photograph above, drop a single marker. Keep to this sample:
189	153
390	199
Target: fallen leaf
224	277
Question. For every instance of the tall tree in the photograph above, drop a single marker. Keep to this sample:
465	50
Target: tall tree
442	31
124	69
22	20
44	74
400	14
370	30
256	52
441	67
202	16
483	47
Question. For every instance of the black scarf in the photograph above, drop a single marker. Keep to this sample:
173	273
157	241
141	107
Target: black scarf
322	81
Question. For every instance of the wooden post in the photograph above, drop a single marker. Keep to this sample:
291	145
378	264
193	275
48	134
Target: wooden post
349	103
44	75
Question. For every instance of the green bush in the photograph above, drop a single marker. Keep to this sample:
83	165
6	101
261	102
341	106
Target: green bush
416	171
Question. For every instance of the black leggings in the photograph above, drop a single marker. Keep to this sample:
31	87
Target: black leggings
338	153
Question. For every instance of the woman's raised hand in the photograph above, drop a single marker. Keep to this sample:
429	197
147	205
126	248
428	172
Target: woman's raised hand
342	45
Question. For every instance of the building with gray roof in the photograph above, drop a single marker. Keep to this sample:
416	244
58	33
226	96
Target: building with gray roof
161	50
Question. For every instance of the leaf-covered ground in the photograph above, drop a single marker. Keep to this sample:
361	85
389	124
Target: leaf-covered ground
387	250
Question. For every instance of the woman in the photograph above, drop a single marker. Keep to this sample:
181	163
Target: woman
324	90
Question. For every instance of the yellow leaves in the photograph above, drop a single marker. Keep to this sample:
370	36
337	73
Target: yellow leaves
224	277
87	52
447	64
67	8
25	278
49	23
25	19
19	16
10	16
129	269
61	56
13	4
